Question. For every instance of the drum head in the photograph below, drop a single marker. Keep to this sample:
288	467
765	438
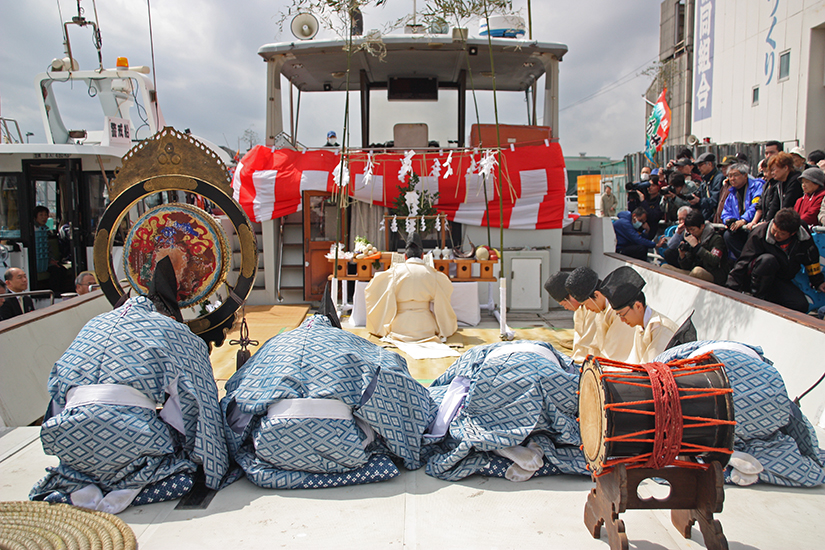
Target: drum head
197	247
592	417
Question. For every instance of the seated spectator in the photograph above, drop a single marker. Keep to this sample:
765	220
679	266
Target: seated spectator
710	187
84	282
740	212
677	194
783	189
629	239
798	156
815	156
652	205
702	254
671	253
653	331
809	205
773	256
2	300
15	281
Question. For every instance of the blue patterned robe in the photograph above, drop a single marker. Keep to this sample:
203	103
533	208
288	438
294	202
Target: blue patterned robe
128	447
769	426
513	398
317	360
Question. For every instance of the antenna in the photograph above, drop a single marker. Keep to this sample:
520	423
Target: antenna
304	26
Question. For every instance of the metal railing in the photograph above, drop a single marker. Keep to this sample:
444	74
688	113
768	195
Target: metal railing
48	293
6	135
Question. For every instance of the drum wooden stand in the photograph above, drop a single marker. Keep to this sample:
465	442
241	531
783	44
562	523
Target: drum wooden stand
695	495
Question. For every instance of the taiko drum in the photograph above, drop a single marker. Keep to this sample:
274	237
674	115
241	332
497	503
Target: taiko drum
617	413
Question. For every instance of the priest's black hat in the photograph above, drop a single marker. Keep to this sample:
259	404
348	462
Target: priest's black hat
581	283
163	289
555	286
414	248
622	287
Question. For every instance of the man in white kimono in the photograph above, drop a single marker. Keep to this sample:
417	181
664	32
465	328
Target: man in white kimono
613	339
398	301
584	320
653	331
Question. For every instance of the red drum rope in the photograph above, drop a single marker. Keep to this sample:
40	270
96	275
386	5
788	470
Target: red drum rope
666	436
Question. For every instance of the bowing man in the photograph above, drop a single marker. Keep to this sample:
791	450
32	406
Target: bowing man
652	330
613	339
584	320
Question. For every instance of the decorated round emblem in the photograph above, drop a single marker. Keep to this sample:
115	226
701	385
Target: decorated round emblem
191	238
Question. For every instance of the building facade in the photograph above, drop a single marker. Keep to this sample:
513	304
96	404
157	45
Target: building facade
743	71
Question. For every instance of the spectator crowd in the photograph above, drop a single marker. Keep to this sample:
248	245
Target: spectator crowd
719	220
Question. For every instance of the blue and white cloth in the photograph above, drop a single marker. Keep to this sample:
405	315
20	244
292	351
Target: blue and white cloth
129	447
387	410
769	426
519	392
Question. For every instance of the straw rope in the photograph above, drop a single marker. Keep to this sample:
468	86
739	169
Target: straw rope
41	525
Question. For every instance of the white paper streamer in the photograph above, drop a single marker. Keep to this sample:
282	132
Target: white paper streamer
394	225
406	165
436	171
411	198
448	166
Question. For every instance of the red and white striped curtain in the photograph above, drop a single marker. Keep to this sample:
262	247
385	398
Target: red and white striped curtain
269	183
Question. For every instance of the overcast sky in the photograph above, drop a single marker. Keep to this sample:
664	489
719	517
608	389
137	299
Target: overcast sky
211	79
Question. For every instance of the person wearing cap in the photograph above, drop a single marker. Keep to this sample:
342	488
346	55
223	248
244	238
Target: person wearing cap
652	331
613	339
799	163
739	213
809	205
783	188
584	320
331	137
678	193
398	300
103	421
771	258
629	240
703	254
723	166
710	187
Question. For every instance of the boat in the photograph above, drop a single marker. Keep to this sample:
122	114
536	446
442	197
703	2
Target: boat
411	510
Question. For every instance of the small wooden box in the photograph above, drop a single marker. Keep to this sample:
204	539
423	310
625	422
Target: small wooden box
365	269
341	270
486	269
443	266
463	269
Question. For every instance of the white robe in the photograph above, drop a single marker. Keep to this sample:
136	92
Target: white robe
585	329
614	337
650	341
398	303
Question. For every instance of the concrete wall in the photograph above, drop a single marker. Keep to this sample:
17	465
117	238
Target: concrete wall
30	345
795	349
748	42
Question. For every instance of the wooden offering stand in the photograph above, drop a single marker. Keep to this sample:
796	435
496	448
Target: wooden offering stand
695	495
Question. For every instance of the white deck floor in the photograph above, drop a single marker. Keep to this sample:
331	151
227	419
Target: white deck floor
418	511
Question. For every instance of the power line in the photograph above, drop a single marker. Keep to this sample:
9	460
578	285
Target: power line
621	81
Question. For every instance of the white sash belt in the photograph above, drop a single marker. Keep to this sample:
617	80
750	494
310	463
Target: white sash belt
310	408
108	394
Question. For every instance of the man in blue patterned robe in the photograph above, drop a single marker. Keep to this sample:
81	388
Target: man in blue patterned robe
115	449
506	410
773	441
321	407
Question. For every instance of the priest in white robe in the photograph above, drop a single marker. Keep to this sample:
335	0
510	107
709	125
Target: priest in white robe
612	339
653	331
584	320
410	302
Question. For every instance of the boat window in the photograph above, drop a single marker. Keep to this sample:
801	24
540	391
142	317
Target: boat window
9	207
98	200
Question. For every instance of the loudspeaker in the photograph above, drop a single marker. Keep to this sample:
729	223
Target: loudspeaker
692	140
304	26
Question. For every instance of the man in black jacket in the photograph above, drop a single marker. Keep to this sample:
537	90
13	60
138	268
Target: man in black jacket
711	185
16	281
772	257
703	252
